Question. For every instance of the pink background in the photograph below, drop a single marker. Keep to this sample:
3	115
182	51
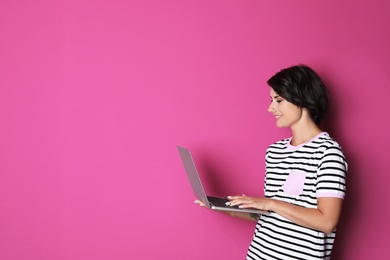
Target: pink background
96	94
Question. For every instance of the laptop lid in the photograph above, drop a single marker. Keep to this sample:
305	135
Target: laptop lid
193	175
199	191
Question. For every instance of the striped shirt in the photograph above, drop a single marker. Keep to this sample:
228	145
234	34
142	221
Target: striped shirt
299	175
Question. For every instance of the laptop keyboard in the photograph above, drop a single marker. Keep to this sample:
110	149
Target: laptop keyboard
219	202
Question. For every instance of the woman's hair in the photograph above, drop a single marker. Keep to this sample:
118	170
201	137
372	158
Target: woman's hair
302	86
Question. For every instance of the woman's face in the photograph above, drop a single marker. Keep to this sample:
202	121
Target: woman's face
286	114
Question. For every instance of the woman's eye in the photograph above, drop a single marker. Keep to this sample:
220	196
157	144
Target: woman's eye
276	100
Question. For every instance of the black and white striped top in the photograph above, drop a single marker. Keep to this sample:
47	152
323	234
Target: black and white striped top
299	175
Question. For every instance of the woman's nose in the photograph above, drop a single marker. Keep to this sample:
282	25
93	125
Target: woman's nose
271	109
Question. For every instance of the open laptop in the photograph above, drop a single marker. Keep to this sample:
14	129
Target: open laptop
197	187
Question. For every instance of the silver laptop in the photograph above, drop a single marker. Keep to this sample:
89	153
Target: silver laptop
215	203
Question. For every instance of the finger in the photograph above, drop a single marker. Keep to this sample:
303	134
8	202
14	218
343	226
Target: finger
237	201
245	201
244	206
200	203
235	197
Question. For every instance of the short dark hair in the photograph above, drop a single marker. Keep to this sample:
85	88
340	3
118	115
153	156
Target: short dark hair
302	86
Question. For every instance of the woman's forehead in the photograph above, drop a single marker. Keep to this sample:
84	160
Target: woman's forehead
273	93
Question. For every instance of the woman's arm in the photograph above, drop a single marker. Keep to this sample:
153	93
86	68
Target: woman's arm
324	218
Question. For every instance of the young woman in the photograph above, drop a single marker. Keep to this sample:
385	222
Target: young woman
305	175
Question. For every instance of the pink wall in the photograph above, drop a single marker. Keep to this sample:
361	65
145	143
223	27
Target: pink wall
95	96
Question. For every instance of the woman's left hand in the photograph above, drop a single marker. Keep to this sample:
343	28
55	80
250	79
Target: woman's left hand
244	201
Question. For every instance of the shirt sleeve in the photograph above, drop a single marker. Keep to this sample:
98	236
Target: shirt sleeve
331	173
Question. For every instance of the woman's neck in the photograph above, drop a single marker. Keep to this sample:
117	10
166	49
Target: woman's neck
302	135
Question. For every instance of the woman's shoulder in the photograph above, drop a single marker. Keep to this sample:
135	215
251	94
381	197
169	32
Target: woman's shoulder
326	145
322	140
325	140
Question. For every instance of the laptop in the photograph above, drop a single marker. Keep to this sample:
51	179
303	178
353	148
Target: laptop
211	202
